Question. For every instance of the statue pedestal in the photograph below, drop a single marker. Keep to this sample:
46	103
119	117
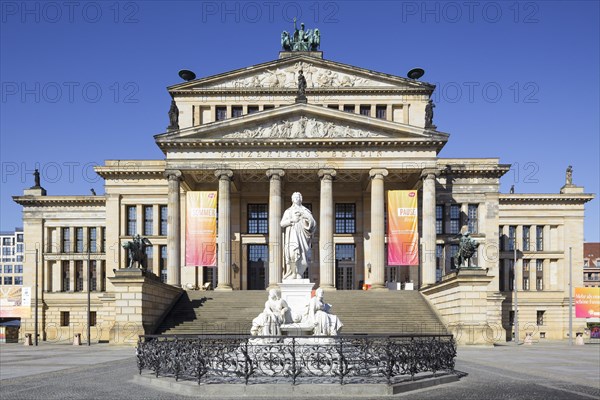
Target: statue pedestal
296	293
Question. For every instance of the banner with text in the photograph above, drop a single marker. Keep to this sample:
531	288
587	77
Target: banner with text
201	229
587	302
403	234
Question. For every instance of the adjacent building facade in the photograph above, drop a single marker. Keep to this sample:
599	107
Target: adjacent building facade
245	135
591	264
11	267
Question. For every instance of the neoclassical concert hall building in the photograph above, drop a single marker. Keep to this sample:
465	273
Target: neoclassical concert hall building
359	134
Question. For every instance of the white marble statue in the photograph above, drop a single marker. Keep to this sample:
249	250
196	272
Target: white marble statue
319	315
299	227
276	313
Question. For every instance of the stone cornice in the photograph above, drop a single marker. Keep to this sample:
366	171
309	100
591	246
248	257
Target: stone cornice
59	200
545	198
473	167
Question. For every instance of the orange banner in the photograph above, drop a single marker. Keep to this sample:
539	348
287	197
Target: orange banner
587	302
403	233
201	229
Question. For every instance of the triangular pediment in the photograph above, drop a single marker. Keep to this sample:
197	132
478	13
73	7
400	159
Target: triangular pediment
302	122
319	74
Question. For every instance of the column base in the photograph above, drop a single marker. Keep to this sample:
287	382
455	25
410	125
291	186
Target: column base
223	288
328	288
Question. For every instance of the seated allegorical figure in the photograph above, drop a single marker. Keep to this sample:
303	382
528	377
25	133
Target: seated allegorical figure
275	313
319	315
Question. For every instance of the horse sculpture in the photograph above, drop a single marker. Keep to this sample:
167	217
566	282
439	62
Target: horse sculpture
137	251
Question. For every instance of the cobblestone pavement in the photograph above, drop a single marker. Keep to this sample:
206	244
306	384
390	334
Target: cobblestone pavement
544	371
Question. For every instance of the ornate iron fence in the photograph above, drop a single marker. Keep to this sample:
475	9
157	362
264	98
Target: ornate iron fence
342	359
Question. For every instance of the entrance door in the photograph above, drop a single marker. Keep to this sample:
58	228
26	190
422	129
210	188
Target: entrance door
344	266
257	261
209	274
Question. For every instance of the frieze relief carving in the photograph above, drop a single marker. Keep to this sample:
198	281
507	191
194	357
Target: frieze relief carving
316	77
302	128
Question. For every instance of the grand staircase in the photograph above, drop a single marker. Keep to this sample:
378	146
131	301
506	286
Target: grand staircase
361	312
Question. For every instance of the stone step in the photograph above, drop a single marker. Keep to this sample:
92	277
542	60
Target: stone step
360	311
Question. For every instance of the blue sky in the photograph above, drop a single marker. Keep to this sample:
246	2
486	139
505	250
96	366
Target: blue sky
83	82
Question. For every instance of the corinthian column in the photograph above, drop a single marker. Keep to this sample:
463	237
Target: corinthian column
326	246
428	240
224	230
275	256
173	229
377	229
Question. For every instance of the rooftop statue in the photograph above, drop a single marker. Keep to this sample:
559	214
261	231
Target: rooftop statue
301	39
173	116
429	115
569	175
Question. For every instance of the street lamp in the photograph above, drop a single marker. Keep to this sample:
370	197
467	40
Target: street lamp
516	317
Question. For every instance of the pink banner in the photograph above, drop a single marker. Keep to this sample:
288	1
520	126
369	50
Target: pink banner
201	229
403	235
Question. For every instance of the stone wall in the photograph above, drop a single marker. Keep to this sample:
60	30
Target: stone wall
140	302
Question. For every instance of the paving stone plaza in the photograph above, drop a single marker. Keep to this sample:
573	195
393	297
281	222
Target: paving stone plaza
550	370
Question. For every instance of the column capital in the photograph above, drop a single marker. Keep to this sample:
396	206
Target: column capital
327	173
430	173
173	174
276	174
224	174
378	173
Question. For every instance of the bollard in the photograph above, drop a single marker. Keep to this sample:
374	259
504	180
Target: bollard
579	339
27	341
77	339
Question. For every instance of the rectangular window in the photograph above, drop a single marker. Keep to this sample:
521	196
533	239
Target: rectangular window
454	218
103	249
8	269
149	258
539	274
19	247
344	252
93	275
19	259
148	220
525	283
7	241
439	219
8	280
526	264
345	218
258	218
79	240
349	108
268	107
66	240
539	266
539	238
131	220
78	276
92	240
381	112
472	218
453	249
439	262
511	275
92	318
220	113
512	234
163	264
252	109
20	238
64	318
7	251
66	276
237	111
18	269
365	110
164	212
526	237
333	106
18	280
540	317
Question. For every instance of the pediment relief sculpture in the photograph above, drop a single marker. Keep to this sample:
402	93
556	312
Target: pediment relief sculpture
301	128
